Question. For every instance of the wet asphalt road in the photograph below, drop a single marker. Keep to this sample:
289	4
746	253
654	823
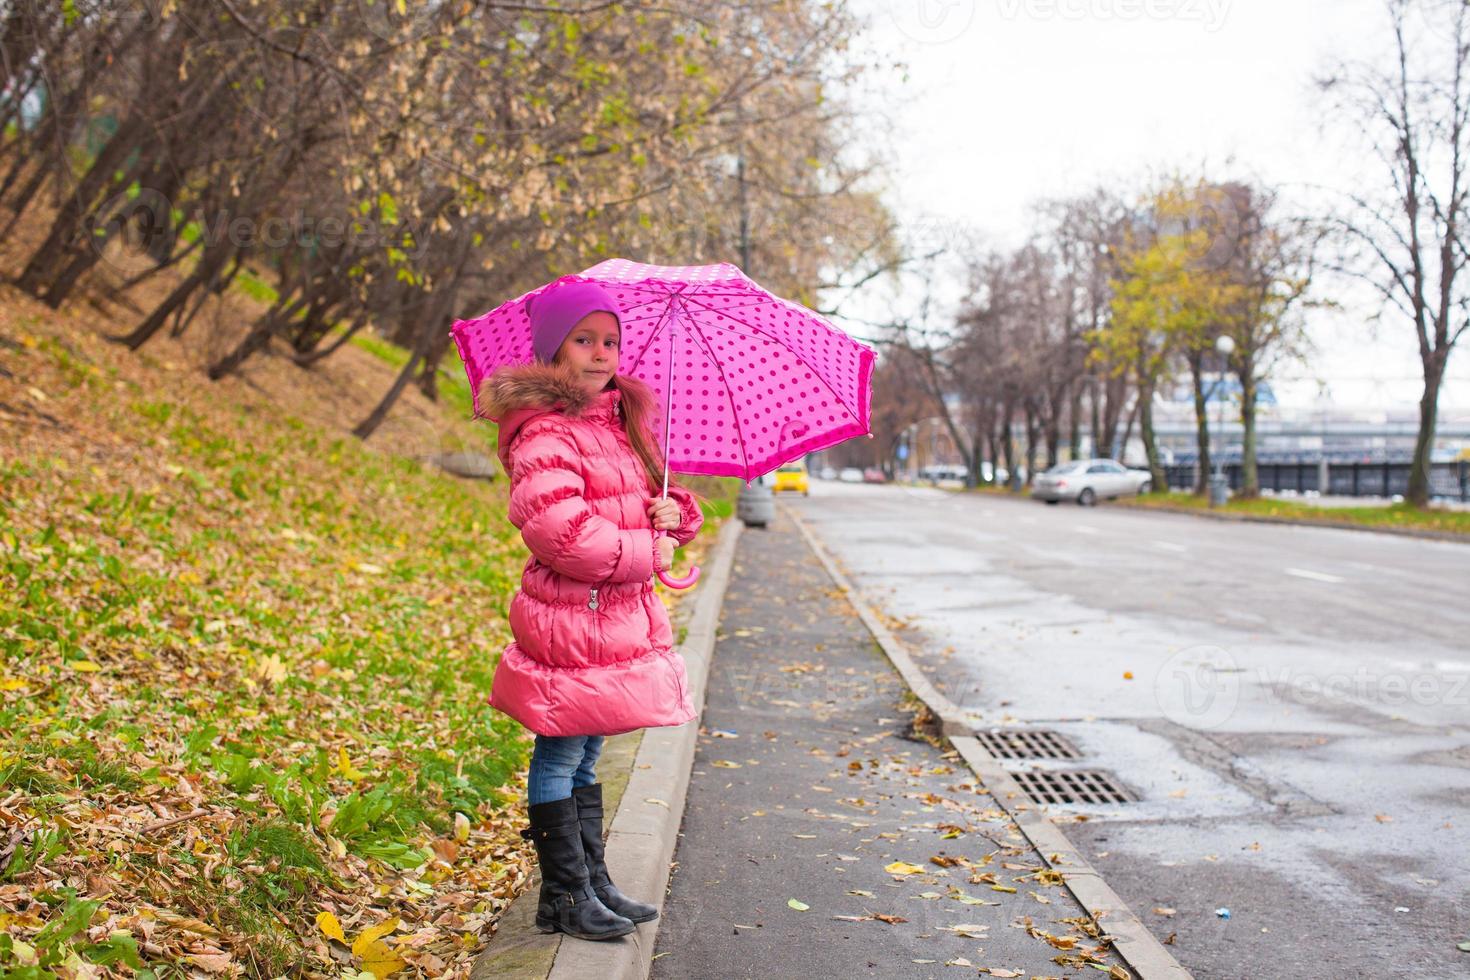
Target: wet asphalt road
1291	705
809	783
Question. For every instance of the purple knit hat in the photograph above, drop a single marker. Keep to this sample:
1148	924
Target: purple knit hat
556	311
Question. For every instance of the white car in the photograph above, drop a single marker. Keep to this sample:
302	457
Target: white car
1089	480
850	474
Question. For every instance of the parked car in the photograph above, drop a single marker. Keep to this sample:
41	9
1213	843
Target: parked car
874	475
792	478
1089	480
828	473
850	474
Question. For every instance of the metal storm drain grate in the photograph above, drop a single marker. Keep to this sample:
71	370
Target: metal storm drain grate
1072	786
1027	743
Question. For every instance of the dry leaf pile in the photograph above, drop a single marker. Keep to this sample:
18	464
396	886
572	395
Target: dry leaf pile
243	728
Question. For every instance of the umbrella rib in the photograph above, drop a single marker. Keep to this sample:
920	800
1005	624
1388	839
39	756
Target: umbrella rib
658	328
697	333
801	360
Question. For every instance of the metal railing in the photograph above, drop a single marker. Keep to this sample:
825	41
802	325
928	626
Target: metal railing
1447	481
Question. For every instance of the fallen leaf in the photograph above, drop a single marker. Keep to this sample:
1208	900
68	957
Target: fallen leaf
903	868
997	972
1163	910
344	766
958	961
725	764
370	936
890	919
212	962
798	905
461	827
330	927
379	960
656	801
970	930
85	666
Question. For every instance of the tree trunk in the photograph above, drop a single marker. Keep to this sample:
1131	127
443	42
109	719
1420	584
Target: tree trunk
1033	431
61	240
369	425
1099	447
1418	493
1146	431
1008	441
312	356
209	264
1127	432
1250	479
1074	434
1201	424
256	339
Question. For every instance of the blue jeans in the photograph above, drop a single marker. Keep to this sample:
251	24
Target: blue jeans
559	762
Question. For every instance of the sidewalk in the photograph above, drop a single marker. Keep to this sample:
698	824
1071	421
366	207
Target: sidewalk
821	836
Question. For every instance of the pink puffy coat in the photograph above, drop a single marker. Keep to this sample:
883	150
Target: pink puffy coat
593	651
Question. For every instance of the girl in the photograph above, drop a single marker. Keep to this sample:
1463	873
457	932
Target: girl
593	651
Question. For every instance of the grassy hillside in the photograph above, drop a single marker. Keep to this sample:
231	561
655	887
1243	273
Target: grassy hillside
245	656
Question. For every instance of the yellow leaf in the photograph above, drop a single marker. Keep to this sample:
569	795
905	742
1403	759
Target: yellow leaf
12	684
379	960
461	827
344	766
725	764
85	666
330	927
271	669
369	936
902	868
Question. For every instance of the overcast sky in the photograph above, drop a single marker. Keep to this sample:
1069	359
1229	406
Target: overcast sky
1011	101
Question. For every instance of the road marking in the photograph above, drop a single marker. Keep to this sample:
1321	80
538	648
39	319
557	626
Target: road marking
1314	576
1170	546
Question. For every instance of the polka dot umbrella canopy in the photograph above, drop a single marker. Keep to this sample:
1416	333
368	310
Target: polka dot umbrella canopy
753	380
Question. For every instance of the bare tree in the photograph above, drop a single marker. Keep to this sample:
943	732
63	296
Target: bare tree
1406	237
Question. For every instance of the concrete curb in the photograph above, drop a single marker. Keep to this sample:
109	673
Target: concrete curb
1403	532
640	844
1137	946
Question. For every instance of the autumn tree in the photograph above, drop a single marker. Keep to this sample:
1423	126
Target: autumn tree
1404	230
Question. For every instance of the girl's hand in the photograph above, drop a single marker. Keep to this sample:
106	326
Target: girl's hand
665	548
664	513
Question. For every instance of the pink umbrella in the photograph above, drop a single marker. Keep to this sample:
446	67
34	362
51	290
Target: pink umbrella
748	380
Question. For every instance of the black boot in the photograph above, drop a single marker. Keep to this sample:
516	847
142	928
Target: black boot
567	902
589	812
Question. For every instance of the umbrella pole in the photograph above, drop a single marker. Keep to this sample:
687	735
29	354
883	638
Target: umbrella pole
669	406
667	577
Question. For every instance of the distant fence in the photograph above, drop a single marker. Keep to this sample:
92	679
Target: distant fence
1449	481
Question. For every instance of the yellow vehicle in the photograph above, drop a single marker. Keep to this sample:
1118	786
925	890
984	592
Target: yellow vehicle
792	477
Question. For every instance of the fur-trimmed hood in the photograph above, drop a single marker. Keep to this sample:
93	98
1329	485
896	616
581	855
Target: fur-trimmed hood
516	394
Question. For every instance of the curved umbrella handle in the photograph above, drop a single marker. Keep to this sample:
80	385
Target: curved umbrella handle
673	581
679	583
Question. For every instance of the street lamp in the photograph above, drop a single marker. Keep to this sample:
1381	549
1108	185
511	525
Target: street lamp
1219	485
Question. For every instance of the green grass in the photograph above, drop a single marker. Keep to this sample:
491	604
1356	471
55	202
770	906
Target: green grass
300	627
276	625
1387	515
